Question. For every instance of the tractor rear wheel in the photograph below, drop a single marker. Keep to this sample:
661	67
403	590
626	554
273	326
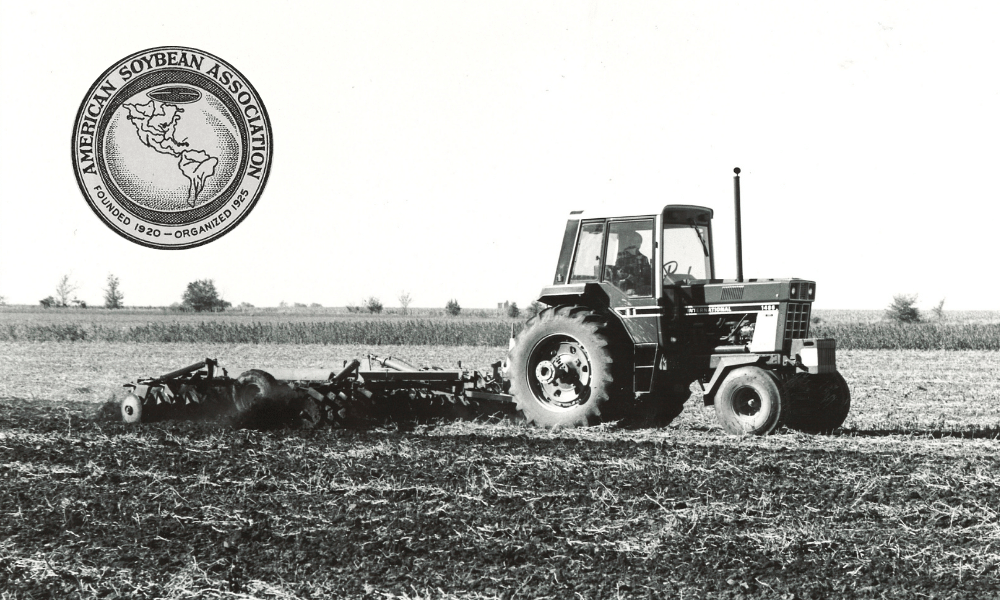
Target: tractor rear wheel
561	367
749	402
254	387
816	403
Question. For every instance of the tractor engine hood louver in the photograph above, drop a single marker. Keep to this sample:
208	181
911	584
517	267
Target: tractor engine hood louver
752	290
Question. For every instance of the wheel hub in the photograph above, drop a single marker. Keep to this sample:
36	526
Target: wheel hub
562	373
545	372
747	402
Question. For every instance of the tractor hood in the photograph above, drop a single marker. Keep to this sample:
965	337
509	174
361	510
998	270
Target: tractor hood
717	291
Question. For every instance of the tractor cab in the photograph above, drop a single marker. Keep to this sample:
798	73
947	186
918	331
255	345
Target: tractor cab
631	259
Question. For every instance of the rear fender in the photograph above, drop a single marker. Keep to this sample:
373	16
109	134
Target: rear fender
586	294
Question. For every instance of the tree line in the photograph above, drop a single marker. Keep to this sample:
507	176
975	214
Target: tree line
203	296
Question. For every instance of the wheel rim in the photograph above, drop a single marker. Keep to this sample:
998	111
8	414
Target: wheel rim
560	372
131	410
748	404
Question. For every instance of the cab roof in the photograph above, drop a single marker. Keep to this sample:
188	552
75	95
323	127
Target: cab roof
672	213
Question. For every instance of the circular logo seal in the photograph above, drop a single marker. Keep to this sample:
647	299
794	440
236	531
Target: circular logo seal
172	147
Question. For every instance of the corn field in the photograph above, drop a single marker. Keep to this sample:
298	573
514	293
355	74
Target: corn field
455	332
920	336
377	332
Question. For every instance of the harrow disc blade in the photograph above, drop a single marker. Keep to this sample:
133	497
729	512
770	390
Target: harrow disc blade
311	415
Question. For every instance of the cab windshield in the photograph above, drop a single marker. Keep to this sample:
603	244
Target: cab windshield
686	253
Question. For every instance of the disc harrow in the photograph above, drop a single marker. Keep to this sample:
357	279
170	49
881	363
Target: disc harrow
389	389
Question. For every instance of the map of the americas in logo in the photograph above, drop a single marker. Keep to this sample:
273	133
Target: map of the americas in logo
172	147
156	125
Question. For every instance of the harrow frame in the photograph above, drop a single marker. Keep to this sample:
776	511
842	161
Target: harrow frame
388	388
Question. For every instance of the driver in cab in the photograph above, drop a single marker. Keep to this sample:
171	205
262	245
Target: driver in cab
633	274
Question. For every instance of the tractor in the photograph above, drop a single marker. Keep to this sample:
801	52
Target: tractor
636	320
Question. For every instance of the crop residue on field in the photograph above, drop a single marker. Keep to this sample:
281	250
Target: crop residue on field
478	510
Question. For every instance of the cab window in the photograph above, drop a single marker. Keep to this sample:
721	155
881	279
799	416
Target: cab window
587	264
630	248
686	253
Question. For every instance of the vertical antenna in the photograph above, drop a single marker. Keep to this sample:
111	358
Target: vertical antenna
739	230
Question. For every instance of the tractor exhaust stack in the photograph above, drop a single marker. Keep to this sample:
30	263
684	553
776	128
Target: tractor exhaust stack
739	231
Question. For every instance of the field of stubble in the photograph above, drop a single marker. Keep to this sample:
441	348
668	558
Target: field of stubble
902	503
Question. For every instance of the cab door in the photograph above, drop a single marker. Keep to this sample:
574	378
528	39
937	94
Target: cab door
631	281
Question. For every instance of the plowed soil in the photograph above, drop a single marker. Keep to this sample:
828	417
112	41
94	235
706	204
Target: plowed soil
887	508
91	509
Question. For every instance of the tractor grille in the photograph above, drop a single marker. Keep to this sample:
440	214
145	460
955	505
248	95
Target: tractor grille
732	292
797	321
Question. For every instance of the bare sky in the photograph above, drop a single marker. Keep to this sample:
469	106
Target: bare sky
437	147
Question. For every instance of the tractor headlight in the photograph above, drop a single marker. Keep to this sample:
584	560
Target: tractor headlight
811	292
793	291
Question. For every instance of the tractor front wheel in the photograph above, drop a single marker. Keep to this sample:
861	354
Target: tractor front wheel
561	367
749	402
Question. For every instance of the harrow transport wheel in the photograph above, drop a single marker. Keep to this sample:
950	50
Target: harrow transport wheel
749	402
561	367
254	386
816	403
132	409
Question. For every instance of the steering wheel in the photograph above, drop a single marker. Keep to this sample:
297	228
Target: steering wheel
670	267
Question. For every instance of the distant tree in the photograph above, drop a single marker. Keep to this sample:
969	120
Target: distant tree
79	303
245	306
300	305
64	290
902	309
282	304
372	304
452	308
48	302
938	310
513	311
315	305
533	309
201	296
3	301
404	301
113	296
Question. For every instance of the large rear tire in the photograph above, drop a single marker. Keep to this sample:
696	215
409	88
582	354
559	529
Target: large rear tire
816	403
561	368
749	402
